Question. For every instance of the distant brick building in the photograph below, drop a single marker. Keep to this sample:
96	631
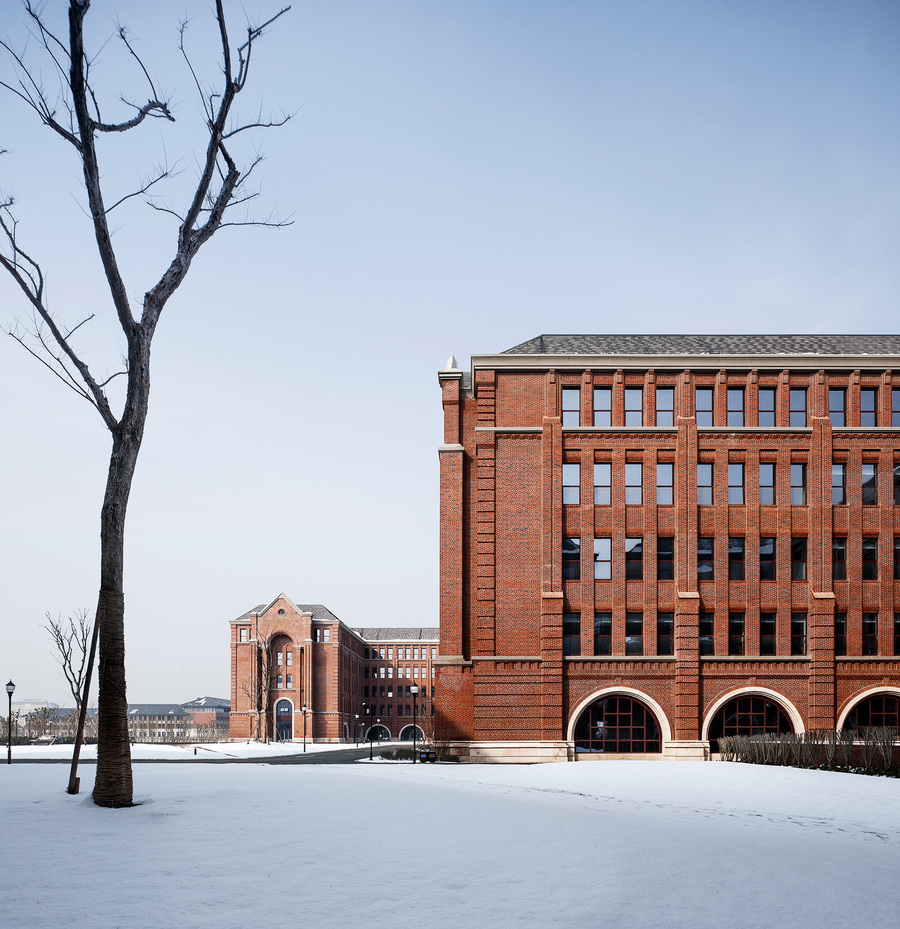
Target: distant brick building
648	542
352	682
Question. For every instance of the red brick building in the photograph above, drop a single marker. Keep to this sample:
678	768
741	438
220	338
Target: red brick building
648	542
297	668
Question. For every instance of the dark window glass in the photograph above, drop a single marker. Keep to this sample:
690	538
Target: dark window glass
665	558
869	484
767	633
896	485
602	483
704	559
571	483
895	407
634	483
665	483
704	406
618	725
706	631
767	406
767	559
798	406
735	411
571	559
748	716
602	633
634	559
798	633
870	559
736	484
840	633
634	406
665	406
602	559
897	633
870	633
665	628
571	633
838	483
634	633
897	558
838	559
881	710
868	406
837	406
798	484
735	633
798	559
767	483
704	484
602	406
571	406
735	559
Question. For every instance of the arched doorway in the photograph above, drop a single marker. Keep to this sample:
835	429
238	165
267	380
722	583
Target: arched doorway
877	710
378	733
617	724
406	734
284	721
748	714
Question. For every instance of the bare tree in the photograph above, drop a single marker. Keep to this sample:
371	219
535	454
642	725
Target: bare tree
71	642
75	115
257	687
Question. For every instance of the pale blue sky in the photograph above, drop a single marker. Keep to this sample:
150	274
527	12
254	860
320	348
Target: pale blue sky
462	176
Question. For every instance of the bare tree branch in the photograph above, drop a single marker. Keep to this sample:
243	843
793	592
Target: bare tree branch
70	642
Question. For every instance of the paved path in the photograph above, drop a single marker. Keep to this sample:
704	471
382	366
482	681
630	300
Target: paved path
338	756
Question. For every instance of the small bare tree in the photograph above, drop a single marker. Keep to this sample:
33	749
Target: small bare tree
257	687
71	643
75	114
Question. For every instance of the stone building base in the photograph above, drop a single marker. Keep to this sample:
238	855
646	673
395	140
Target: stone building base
537	752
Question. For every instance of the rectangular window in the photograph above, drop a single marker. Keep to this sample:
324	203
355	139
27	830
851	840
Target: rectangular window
798	633
279	681
602	559
289	681
706	631
391	671
665	558
735	559
416	653
571	406
243	636
895	407
571	484
870	633
634	406
290	658
736	484
767	406
705	559
634	483
407	656
416	671
897	633
735	400
869	483
602	483
870	559
390	654
798	406
735	633
798	559
279	658
602	406
602	633
665	628
381	672
868	406
896	485
837	406
704	484
703	403
634	559
665	483
665	406
798	484
571	633
326	635
434	653
766	483
767	633
897	558
634	633
767	559
838	483
571	560
840	633
838	558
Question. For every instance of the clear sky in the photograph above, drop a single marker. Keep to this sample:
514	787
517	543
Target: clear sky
462	176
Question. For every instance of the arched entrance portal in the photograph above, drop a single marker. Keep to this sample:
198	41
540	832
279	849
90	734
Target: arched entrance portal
378	734
748	714
284	721
406	734
877	710
617	724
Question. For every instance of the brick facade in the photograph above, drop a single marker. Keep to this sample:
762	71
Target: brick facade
740	452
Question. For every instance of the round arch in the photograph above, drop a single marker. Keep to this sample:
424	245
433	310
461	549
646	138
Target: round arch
662	720
856	699
790	710
283	720
406	734
378	733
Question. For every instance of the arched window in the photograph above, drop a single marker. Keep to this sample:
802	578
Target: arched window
880	710
284	721
749	714
617	724
406	734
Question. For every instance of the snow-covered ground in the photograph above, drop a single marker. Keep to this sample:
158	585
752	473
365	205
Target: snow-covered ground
607	844
204	750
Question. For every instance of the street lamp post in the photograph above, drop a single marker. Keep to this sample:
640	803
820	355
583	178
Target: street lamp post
371	730
357	730
414	690
303	709
10	687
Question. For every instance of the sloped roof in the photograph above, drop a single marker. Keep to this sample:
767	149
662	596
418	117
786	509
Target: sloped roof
393	633
317	610
207	703
807	344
